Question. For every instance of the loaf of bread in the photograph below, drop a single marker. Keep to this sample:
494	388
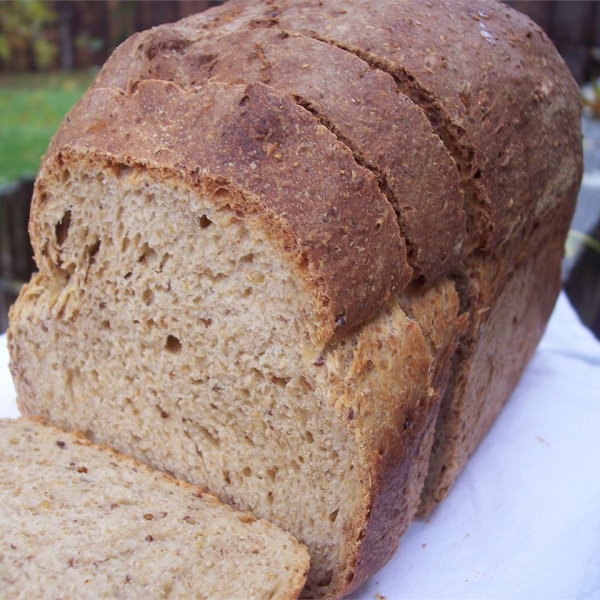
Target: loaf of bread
299	253
80	521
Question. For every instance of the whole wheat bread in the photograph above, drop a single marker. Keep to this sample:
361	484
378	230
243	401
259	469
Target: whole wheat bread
80	521
275	238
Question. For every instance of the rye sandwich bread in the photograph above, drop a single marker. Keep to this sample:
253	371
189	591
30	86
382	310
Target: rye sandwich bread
276	240
218	305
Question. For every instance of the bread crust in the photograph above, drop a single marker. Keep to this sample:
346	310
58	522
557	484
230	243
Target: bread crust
511	103
520	293
386	132
398	441
338	229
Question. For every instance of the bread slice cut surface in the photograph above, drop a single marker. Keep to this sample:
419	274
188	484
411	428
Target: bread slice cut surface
81	521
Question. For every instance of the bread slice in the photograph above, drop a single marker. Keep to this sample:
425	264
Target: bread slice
205	280
79	520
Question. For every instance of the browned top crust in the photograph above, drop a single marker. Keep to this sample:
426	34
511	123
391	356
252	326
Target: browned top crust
285	169
386	131
490	80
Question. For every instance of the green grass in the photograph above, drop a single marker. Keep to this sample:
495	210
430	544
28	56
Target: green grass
31	109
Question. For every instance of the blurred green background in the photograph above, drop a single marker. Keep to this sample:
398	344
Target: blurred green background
49	54
31	109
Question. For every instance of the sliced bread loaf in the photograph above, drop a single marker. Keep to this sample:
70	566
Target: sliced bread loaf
256	235
194	309
81	521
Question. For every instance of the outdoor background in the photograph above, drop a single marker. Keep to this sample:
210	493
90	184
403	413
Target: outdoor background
50	51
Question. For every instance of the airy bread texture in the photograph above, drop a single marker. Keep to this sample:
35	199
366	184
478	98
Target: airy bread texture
275	241
83	521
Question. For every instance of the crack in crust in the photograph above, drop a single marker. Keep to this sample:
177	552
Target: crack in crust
499	110
384	186
449	133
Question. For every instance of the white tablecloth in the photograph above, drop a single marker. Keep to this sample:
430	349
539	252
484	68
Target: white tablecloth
523	521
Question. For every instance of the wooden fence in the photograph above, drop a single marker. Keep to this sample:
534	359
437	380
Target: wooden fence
16	254
82	33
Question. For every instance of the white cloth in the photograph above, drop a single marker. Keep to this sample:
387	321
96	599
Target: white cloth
523	520
8	404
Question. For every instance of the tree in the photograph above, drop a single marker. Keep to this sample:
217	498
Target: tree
23	40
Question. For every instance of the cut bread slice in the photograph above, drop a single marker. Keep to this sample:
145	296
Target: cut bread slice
81	521
194	309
